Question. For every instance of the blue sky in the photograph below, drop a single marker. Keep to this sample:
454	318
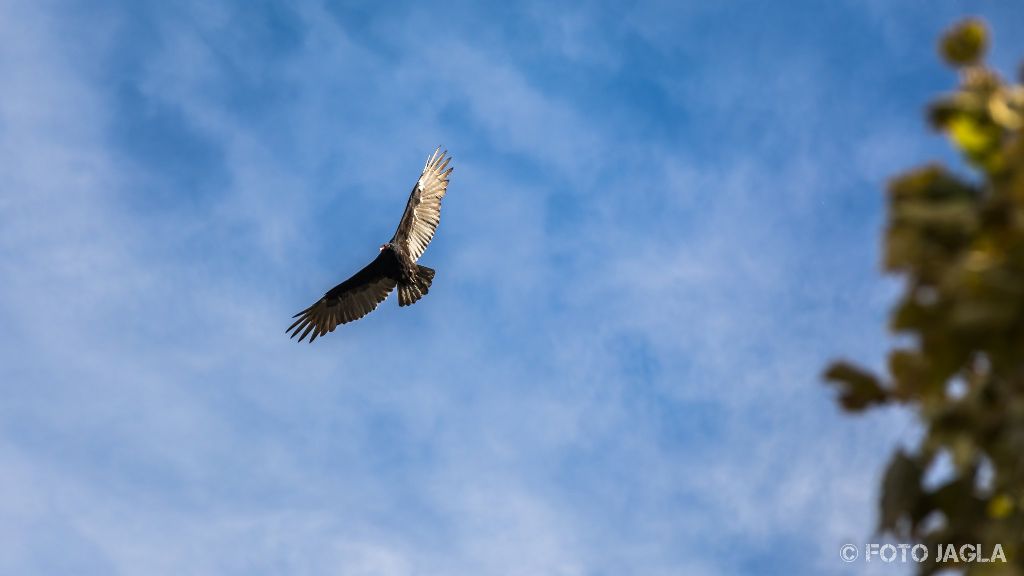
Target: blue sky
663	222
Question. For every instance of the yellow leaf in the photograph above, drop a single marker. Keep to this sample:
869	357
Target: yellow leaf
1000	506
971	136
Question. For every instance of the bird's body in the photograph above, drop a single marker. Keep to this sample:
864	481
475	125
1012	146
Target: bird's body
395	265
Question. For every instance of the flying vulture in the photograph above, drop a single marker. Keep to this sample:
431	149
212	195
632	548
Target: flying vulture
394	266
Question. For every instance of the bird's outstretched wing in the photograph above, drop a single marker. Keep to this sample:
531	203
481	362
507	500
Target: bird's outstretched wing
423	211
348	301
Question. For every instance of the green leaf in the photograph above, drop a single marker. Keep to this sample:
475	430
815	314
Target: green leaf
901	492
965	43
858	389
909	371
929	182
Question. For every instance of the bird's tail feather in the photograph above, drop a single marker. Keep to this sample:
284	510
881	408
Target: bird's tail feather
409	293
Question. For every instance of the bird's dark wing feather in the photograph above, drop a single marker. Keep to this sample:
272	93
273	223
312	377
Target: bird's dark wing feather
348	301
423	211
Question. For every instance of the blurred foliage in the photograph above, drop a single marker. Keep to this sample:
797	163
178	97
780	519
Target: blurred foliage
959	244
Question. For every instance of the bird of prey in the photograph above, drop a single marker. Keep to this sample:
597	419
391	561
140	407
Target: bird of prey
394	266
